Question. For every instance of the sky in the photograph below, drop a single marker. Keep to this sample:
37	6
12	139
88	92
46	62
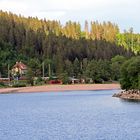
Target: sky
125	13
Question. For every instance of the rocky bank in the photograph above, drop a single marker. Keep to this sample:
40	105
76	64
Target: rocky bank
128	94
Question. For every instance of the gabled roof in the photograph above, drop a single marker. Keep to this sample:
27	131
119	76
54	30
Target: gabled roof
20	65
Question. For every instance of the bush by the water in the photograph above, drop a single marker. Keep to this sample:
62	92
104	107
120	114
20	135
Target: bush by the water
2	84
19	85
130	74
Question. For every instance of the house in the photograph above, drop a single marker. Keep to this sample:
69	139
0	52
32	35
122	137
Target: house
19	70
55	80
73	80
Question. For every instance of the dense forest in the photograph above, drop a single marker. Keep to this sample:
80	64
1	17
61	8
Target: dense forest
96	52
130	74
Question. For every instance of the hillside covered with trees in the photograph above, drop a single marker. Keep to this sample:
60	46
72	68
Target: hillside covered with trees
96	51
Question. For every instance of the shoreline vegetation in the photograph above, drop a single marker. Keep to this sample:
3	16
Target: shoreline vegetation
130	79
58	88
46	52
32	48
133	94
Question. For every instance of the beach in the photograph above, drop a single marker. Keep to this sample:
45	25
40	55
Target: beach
56	88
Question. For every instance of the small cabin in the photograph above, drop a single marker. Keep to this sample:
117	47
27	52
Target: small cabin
74	80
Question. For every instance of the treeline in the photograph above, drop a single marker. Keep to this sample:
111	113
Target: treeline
129	40
65	49
130	74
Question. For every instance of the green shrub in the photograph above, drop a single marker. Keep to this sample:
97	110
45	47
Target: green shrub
130	74
2	84
39	81
19	85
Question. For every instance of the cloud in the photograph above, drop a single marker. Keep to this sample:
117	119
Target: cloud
14	6
40	8
96	6
51	15
55	4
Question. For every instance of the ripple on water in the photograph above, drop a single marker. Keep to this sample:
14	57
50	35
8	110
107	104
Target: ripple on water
77	115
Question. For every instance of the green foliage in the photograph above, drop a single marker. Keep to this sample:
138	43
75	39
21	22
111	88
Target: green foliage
39	81
64	77
19	85
99	71
139	81
129	41
2	84
76	67
30	77
116	63
130	74
35	66
7	56
69	68
63	49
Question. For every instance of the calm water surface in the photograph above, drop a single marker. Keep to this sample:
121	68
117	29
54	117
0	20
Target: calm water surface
76	115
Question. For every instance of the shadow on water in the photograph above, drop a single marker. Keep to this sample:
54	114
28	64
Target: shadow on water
132	101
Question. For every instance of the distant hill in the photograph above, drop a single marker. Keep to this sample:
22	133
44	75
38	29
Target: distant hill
23	39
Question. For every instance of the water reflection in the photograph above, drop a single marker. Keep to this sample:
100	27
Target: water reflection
136	101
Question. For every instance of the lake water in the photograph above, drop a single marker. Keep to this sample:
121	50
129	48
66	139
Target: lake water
76	115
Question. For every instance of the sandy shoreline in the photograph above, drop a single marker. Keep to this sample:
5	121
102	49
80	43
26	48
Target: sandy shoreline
55	88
